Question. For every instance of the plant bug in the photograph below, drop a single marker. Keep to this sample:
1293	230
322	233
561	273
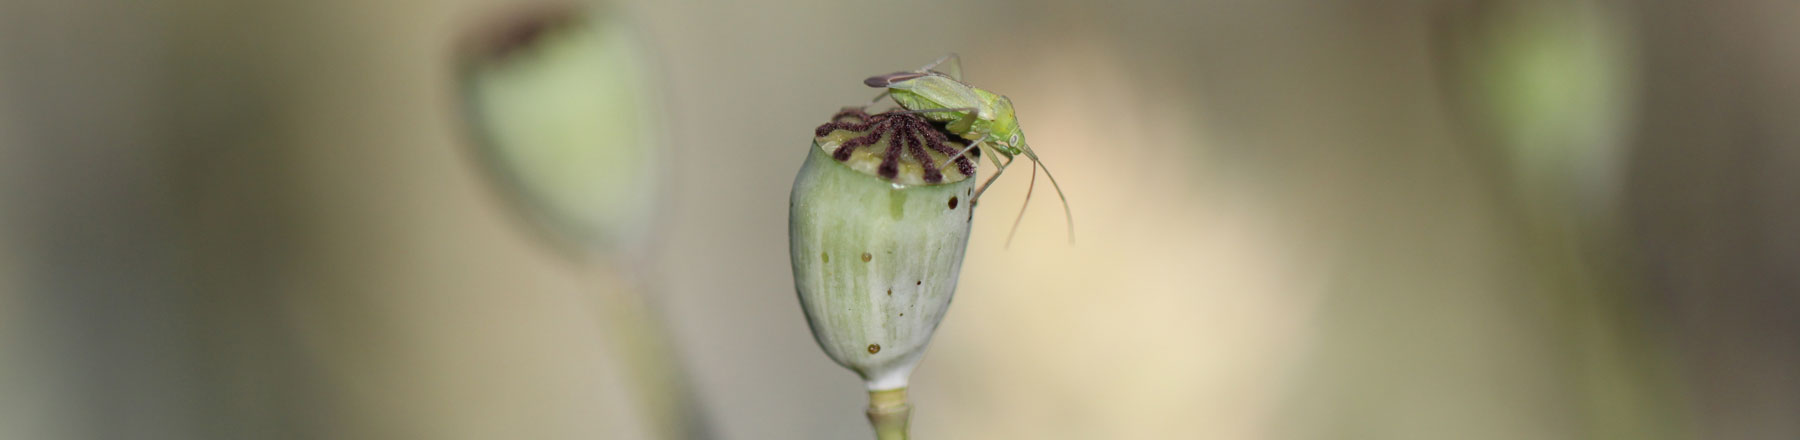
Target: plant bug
985	118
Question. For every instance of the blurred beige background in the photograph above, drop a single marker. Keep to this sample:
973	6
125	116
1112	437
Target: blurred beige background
1296	220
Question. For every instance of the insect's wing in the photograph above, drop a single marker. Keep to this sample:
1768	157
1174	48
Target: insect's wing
888	80
950	64
946	92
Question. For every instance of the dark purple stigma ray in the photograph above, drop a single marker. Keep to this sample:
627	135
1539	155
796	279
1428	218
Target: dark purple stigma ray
843	152
938	142
838	125
913	137
915	147
850	146
890	162
864	121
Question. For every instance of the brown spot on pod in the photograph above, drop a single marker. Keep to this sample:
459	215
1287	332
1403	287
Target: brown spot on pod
866	257
874	348
952	202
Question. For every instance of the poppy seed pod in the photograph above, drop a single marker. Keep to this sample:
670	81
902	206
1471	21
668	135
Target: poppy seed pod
877	226
561	101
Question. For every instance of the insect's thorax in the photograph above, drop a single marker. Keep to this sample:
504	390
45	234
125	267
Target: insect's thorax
1004	129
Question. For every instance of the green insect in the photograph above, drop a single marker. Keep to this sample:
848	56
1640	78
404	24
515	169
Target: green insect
985	118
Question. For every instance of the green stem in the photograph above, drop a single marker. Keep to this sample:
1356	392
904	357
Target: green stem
889	413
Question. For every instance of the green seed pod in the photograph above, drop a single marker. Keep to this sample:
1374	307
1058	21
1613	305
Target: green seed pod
877	237
560	101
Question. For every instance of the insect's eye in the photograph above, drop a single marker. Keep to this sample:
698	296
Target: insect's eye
879	81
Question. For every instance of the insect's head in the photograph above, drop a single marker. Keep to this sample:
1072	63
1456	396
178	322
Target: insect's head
882	81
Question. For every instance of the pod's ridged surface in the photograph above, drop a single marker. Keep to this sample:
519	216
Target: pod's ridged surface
875	262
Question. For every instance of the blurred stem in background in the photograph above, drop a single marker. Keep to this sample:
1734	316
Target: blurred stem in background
1542	91
633	330
1712	204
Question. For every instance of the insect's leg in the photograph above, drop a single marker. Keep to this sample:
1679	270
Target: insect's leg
996	160
1068	215
954	69
999	168
972	145
958	154
877	100
1021	217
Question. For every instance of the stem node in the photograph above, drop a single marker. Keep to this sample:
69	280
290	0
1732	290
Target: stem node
889	414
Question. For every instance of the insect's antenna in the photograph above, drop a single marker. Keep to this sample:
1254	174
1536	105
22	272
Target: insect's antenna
1021	217
1068	216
